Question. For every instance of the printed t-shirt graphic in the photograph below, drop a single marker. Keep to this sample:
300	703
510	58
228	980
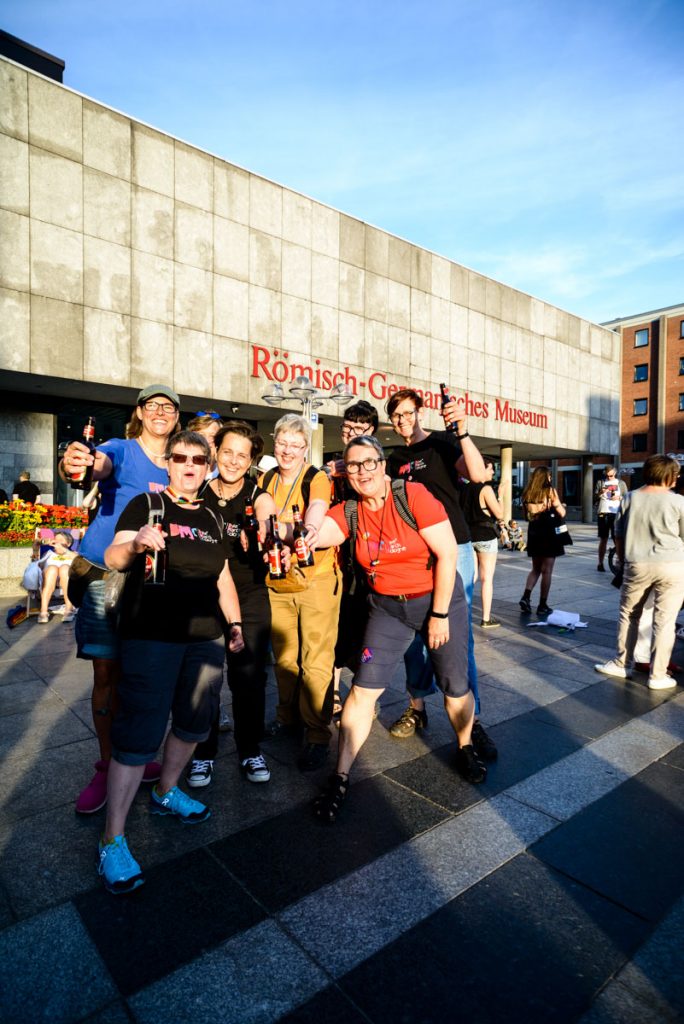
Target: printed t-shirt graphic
432	462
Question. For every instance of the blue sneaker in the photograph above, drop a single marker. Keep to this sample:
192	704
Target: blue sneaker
190	812
119	869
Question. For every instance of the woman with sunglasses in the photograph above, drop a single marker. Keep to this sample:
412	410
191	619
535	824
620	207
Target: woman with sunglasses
304	623
229	495
123	469
414	589
172	647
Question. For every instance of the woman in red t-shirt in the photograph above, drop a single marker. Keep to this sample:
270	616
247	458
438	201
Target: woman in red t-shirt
414	588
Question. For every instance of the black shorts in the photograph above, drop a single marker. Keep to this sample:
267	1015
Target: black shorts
606	525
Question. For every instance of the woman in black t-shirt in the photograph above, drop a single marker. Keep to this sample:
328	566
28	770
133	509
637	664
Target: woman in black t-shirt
172	647
237	446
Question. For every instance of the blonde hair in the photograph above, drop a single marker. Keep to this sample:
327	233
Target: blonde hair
539	488
293	423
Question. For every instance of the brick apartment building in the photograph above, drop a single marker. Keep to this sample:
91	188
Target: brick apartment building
652	385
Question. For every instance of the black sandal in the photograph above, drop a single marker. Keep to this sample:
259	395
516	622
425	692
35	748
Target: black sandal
328	804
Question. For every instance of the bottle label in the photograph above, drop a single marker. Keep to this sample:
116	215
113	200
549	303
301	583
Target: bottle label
301	550
89	432
275	562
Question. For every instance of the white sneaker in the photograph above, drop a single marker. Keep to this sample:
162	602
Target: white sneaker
199	773
613	669
666	683
255	769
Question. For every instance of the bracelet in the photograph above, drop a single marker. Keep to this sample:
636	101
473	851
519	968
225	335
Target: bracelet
459	437
439	615
231	624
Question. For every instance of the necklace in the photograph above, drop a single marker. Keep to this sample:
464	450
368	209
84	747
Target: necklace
223	501
289	493
366	536
150	454
180	500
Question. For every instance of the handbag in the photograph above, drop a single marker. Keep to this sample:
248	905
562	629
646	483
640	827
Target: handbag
82	572
115	579
295	581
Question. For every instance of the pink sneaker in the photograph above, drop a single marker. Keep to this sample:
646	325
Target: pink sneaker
152	772
94	796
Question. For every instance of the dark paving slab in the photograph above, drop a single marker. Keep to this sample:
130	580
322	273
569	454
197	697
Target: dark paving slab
380	817
32	784
6	916
676	757
115	1013
526	943
185	907
50	724
51	971
25	696
331	1006
627	845
595	710
15	670
525	746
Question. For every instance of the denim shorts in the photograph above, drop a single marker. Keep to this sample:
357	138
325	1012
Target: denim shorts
158	679
490	547
95	634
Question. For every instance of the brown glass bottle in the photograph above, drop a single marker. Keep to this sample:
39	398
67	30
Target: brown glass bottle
276	570
251	527
156	561
446	397
82	479
304	555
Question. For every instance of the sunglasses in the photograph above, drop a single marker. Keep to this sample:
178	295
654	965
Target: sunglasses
181	460
211	415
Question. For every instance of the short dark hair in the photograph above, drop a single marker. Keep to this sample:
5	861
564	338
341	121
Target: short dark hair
242	429
362	412
661	469
190	437
488	461
399	396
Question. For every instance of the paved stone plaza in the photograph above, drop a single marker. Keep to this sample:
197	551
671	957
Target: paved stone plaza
553	892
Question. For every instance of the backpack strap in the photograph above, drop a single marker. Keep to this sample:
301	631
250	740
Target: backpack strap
306	482
401	504
400	499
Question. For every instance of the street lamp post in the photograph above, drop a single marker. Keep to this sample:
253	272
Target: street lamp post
307	395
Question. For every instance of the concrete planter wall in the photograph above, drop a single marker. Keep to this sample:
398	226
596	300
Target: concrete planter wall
13	561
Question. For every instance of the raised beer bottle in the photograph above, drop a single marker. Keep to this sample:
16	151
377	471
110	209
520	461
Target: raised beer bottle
304	554
446	397
275	552
82	479
156	561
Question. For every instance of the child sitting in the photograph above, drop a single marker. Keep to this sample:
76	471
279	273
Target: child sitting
515	536
56	567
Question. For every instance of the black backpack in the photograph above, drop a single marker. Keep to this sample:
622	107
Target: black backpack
306	482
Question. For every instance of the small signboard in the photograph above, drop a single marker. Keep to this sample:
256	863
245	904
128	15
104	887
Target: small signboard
313	418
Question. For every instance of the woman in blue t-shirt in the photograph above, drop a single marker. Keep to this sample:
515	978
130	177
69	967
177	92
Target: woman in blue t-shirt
123	469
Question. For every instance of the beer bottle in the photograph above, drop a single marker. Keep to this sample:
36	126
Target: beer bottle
251	526
446	397
156	561
275	552
82	479
304	554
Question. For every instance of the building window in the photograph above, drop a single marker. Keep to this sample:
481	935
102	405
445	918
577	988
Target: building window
681	328
639	442
681	403
681	365
641	405
641	371
641	338
680	439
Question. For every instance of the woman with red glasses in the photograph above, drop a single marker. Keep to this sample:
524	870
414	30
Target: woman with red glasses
172	647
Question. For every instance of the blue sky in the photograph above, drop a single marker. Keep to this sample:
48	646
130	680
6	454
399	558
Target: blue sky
540	143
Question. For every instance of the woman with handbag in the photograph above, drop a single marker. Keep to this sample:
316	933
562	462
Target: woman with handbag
123	469
547	535
305	611
230	495
172	647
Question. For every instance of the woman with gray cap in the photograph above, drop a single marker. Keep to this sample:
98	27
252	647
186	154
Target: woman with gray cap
123	469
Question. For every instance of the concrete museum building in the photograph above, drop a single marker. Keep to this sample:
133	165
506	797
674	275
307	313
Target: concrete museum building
129	257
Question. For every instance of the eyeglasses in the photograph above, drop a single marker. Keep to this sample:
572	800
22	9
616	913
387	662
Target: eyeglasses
211	415
239	457
181	460
165	407
370	465
283	446
397	417
355	429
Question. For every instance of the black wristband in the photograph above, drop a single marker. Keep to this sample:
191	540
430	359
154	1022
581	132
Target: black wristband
439	615
459	437
231	624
